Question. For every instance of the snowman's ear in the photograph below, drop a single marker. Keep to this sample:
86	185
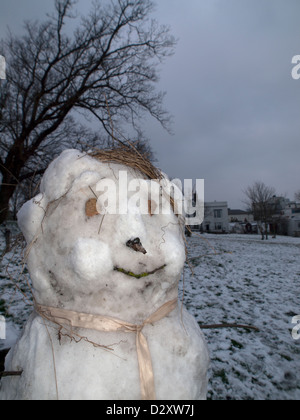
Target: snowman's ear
31	215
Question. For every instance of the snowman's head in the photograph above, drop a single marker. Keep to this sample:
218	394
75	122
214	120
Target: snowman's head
98	241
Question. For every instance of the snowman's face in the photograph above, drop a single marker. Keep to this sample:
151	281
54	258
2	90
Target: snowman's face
82	254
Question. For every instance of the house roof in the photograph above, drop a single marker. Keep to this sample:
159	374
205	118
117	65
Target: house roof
236	212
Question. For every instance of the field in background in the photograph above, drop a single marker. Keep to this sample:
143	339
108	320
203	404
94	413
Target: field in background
242	279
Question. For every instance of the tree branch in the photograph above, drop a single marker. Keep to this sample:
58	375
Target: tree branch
111	59
7	374
217	326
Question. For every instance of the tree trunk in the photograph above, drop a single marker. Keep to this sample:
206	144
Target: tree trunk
6	192
7	234
266	231
262	233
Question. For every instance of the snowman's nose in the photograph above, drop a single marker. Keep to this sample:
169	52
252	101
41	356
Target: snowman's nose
136	245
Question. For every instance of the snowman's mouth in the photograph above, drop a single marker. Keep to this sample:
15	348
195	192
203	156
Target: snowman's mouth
139	276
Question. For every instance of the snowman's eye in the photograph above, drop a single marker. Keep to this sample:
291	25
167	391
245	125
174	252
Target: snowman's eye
91	207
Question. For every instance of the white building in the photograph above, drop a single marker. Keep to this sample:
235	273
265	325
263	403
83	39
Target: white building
216	217
294	226
292	212
288	218
239	216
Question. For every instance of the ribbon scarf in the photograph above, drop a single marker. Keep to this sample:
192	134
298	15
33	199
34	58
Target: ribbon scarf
108	324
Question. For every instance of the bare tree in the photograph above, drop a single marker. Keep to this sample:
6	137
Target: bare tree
260	201
107	69
297	196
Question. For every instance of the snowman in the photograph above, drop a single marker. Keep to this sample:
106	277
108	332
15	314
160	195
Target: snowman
107	323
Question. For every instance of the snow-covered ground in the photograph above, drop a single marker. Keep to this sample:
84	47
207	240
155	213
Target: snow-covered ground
15	292
242	279
236	279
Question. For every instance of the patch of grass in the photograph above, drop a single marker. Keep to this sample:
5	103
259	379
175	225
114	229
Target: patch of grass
236	344
2	306
222	375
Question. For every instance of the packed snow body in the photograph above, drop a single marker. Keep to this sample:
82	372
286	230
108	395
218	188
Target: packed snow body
83	263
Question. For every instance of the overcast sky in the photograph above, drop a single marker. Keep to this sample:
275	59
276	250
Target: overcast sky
229	87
